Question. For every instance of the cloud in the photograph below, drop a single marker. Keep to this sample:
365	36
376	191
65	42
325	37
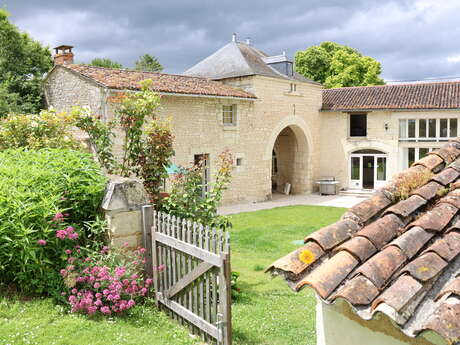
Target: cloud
412	39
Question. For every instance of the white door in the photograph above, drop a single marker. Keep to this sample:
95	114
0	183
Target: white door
356	172
356	169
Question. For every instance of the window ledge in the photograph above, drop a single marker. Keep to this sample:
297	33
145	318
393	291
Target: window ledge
230	128
357	138
293	93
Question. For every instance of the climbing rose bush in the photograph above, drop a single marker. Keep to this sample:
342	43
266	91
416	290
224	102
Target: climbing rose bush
109	281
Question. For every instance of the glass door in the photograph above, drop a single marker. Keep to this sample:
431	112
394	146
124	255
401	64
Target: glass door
380	171
356	163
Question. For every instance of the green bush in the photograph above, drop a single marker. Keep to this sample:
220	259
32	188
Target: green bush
36	131
35	187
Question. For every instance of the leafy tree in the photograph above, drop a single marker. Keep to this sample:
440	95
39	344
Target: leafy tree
148	63
335	65
23	62
105	62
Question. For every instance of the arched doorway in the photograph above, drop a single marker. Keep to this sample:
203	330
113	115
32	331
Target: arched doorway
368	169
289	161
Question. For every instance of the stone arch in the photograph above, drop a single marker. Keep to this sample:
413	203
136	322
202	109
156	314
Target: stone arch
290	141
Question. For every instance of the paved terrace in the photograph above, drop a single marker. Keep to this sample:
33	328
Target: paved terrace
280	200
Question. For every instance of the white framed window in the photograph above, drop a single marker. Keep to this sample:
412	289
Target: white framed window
293	87
229	115
426	130
413	154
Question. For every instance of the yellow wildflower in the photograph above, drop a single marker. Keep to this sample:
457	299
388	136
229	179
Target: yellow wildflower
306	256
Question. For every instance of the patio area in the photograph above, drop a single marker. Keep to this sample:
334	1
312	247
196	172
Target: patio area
279	200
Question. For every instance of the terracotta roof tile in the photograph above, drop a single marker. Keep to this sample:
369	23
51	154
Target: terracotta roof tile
332	235
447	247
379	268
406	207
438	95
358	291
428	191
452	288
292	262
425	267
400	293
446	320
326	278
432	162
412	241
366	209
382	231
437	218
446	176
448	152
389	267
360	247
166	83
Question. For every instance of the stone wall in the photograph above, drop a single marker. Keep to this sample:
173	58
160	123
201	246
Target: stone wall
122	206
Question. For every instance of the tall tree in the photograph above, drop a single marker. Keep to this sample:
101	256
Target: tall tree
23	62
148	63
105	62
336	65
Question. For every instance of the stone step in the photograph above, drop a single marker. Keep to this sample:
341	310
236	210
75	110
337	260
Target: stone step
357	192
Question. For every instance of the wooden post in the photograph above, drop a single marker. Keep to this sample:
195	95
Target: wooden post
227	296
147	223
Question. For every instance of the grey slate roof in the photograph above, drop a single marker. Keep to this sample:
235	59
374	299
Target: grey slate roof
238	59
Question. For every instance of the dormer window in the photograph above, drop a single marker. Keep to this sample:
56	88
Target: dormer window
229	115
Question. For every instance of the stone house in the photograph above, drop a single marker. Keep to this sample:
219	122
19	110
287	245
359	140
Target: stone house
281	127
389	270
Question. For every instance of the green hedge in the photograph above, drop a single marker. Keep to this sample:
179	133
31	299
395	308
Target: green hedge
34	187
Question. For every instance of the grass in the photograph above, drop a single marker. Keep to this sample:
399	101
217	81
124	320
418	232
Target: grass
266	312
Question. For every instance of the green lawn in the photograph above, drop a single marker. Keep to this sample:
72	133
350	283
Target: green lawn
267	312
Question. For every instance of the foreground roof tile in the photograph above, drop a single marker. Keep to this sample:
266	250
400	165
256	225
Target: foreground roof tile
293	262
446	176
366	209
332	235
382	231
326	278
448	152
400	293
431	162
452	288
358	291
428	191
447	247
412	241
437	218
382	265
360	247
406	207
446	320
425	267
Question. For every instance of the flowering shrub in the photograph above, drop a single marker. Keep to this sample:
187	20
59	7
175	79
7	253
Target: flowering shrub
44	196
35	131
106	281
186	199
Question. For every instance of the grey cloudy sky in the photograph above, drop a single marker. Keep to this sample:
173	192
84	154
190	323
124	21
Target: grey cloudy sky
412	39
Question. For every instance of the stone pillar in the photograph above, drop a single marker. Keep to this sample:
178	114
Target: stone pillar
122	206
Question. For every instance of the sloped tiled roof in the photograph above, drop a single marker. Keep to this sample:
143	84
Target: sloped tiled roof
400	258
436	95
237	59
167	83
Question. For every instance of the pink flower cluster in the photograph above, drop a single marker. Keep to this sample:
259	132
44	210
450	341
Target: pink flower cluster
68	232
99	288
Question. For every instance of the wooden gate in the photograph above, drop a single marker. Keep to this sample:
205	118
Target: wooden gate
191	273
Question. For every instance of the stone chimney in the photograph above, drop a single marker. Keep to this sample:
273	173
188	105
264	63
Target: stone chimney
63	55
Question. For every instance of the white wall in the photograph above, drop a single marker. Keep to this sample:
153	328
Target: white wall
334	327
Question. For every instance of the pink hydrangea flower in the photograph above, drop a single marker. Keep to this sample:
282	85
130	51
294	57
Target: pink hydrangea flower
105	310
125	244
119	271
68	251
62	234
41	242
73	236
58	217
